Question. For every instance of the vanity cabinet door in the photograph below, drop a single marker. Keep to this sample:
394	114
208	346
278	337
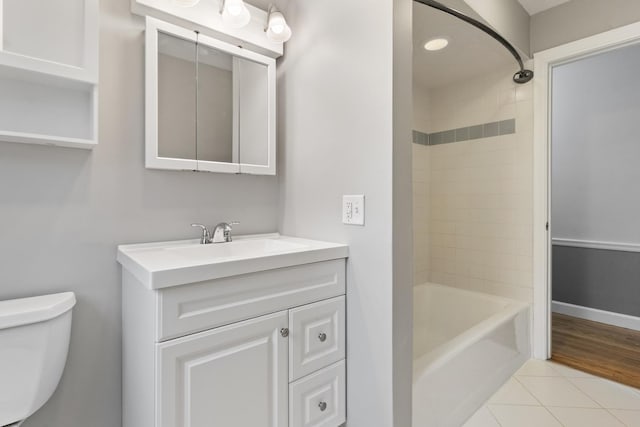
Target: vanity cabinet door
233	376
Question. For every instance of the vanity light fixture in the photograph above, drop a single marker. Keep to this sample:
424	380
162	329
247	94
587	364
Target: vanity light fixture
435	44
277	28
235	13
186	3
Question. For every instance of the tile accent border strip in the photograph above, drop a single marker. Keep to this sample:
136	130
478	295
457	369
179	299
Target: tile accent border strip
485	130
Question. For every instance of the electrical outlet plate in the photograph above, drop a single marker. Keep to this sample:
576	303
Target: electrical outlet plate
353	210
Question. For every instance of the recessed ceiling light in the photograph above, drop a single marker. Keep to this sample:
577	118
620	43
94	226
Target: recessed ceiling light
438	43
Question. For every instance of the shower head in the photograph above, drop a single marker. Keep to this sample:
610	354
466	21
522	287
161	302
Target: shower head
523	76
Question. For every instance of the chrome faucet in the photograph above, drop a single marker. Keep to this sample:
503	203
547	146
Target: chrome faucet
221	233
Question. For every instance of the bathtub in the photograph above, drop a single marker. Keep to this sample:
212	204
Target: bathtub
466	344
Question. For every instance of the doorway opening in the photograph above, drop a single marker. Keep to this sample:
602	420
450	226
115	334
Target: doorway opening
587	258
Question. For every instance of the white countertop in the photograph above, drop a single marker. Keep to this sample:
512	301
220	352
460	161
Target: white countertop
164	264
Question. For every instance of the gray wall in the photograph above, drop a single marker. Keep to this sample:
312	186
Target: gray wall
63	211
578	19
336	95
402	200
602	279
595	148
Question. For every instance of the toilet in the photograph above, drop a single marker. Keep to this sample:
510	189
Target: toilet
34	341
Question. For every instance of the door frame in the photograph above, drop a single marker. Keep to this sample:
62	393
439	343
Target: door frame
544	61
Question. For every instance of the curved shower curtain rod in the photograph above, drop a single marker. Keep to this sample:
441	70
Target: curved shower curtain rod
520	77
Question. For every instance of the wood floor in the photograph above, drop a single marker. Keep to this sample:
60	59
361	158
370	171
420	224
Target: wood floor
603	350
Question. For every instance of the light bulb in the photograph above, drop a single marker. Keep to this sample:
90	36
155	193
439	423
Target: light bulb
186	3
235	13
277	28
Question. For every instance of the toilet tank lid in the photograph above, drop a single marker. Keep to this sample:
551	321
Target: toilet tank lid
24	311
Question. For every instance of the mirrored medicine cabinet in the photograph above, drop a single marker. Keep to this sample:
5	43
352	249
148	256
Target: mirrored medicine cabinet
210	105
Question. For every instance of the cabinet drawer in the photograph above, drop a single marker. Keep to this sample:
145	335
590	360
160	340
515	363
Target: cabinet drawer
319	400
317	336
196	307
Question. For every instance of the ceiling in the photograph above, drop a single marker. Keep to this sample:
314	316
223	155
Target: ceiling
536	6
532	6
470	52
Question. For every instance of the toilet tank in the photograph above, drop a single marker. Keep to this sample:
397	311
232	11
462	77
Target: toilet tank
34	341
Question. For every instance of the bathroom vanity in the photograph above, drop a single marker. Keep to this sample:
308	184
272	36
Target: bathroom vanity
244	333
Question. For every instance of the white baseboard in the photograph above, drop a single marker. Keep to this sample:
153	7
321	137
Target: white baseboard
608	317
592	244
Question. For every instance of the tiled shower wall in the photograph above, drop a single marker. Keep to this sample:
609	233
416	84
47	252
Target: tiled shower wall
478	192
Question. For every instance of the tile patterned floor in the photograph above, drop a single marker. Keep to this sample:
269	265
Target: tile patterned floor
547	394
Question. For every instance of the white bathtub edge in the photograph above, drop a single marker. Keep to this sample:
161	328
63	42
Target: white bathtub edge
456	378
439	356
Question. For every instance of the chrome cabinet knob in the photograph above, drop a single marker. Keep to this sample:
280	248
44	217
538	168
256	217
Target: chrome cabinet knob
284	332
322	406
322	337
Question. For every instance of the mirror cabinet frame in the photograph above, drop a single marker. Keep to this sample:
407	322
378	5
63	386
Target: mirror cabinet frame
152	157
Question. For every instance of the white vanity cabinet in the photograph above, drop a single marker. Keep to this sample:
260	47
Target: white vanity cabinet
232	375
260	349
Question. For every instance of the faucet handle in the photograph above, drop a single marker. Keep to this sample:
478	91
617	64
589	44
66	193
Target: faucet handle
206	237
232	223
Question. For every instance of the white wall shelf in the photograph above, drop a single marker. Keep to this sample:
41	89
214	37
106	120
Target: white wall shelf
49	72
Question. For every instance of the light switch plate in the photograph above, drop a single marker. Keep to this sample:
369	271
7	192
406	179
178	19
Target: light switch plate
353	210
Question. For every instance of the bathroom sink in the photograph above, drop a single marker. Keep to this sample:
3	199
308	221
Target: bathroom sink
243	248
165	264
